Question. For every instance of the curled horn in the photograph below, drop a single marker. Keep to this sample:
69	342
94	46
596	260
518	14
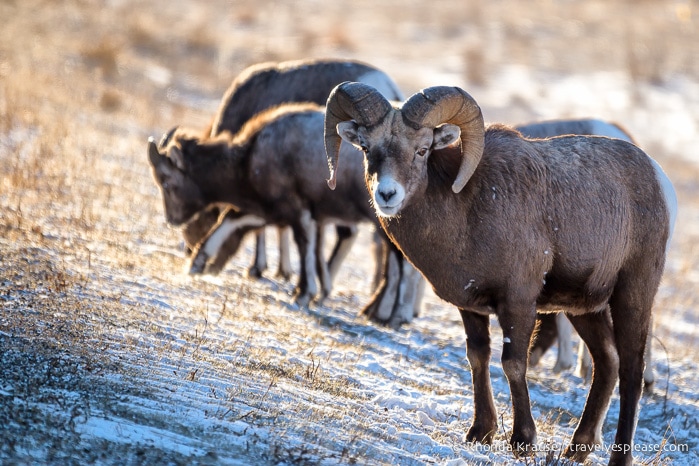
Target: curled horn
436	105
166	138
350	101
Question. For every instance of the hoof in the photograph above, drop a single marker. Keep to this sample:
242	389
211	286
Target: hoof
481	434
561	366
523	441
303	300
213	269
648	387
254	272
535	356
283	274
198	264
578	452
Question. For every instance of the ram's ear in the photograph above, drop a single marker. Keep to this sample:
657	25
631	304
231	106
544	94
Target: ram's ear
445	135
348	131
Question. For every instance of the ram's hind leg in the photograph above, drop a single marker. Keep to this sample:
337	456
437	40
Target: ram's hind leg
544	337
630	306
648	375
596	331
380	308
380	249
564	361
322	267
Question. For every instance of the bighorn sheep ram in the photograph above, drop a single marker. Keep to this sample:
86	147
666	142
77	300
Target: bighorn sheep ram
507	225
556	325
260	87
273	171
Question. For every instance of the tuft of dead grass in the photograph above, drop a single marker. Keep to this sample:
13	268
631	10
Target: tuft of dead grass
103	56
110	100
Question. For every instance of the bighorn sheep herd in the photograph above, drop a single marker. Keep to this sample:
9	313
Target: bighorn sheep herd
256	89
260	87
272	170
498	222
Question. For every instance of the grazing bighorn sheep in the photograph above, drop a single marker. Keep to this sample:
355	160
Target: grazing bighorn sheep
266	85
507	225
562	328
262	86
272	170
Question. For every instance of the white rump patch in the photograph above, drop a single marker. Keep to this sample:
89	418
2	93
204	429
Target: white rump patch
670	197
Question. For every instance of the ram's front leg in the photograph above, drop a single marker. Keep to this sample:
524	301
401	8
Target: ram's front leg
305	231
485	422
517	321
228	249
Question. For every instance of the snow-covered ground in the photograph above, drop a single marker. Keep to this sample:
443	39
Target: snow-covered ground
225	371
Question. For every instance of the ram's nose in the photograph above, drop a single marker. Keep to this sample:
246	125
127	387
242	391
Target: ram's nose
386	194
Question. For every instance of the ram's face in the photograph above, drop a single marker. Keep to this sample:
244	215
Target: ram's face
182	197
396	157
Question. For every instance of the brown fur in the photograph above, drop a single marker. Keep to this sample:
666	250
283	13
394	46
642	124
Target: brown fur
577	223
276	173
548	333
269	84
554	233
263	86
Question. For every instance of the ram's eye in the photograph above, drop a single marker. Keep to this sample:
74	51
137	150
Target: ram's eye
421	151
166	185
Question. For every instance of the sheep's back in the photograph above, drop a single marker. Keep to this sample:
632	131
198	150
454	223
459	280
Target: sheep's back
260	87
